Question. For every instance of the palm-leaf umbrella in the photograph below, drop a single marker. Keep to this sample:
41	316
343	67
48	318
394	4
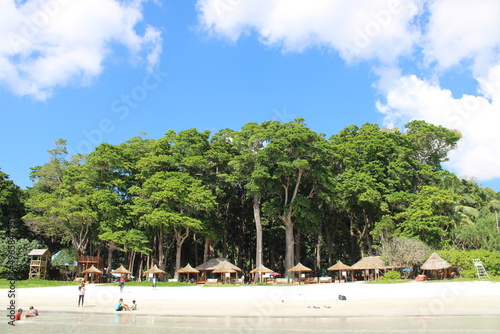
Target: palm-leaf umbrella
299	268
188	270
339	266
91	270
261	269
122	270
154	270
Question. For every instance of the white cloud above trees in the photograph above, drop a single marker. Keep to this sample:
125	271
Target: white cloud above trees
53	43
436	36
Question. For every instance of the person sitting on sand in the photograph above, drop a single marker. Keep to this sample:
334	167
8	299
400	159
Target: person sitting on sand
120	306
33	312
19	314
133	306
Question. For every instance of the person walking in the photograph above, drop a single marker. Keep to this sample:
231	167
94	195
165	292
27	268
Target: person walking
81	292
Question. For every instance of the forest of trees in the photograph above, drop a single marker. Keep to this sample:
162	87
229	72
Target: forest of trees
271	193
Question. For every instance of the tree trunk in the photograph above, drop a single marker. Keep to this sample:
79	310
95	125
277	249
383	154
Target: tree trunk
296	247
161	256
208	251
289	259
179	240
258	228
318	254
111	247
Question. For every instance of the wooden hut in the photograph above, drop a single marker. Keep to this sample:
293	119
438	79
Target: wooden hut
39	261
436	264
206	269
371	267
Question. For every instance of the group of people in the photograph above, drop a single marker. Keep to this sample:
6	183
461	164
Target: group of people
32	312
121	306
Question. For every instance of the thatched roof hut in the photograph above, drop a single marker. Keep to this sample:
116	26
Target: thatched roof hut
122	270
261	269
370	262
188	270
154	270
213	263
91	270
339	266
435	262
299	268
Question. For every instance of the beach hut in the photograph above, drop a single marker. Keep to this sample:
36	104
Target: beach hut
259	270
299	268
435	263
206	268
340	267
188	270
225	268
371	267
93	272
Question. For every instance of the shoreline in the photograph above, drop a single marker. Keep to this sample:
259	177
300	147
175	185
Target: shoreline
312	300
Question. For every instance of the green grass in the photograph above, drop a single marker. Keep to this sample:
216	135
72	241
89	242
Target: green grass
459	279
35	283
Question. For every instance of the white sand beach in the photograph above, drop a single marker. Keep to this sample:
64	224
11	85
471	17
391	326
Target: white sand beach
313	300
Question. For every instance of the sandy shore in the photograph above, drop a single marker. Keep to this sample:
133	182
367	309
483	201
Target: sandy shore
314	300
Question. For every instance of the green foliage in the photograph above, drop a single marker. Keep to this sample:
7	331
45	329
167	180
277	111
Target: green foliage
14	259
235	193
391	275
463	261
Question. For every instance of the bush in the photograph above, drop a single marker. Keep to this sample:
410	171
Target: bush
462	260
391	275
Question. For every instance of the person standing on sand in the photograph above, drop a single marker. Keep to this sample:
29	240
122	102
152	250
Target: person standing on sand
153	282
81	294
122	283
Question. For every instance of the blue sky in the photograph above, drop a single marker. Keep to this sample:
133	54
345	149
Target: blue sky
105	70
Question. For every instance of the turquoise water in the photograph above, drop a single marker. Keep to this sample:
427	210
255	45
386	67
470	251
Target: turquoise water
68	322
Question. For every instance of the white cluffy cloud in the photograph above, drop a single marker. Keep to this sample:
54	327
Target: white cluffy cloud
356	29
477	117
50	43
435	36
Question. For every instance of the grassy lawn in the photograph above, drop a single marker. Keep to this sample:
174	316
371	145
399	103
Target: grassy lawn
460	279
35	283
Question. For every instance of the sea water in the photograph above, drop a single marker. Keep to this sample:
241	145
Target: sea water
125	322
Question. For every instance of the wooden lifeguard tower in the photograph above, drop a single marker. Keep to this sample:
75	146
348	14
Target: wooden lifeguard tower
40	259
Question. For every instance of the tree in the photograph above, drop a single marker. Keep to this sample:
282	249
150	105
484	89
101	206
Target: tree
171	201
292	168
402	252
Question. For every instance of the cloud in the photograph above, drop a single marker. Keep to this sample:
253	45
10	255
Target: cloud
49	43
436	37
475	116
356	29
461	31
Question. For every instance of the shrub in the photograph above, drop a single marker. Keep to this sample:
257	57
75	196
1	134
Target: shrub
462	260
391	275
